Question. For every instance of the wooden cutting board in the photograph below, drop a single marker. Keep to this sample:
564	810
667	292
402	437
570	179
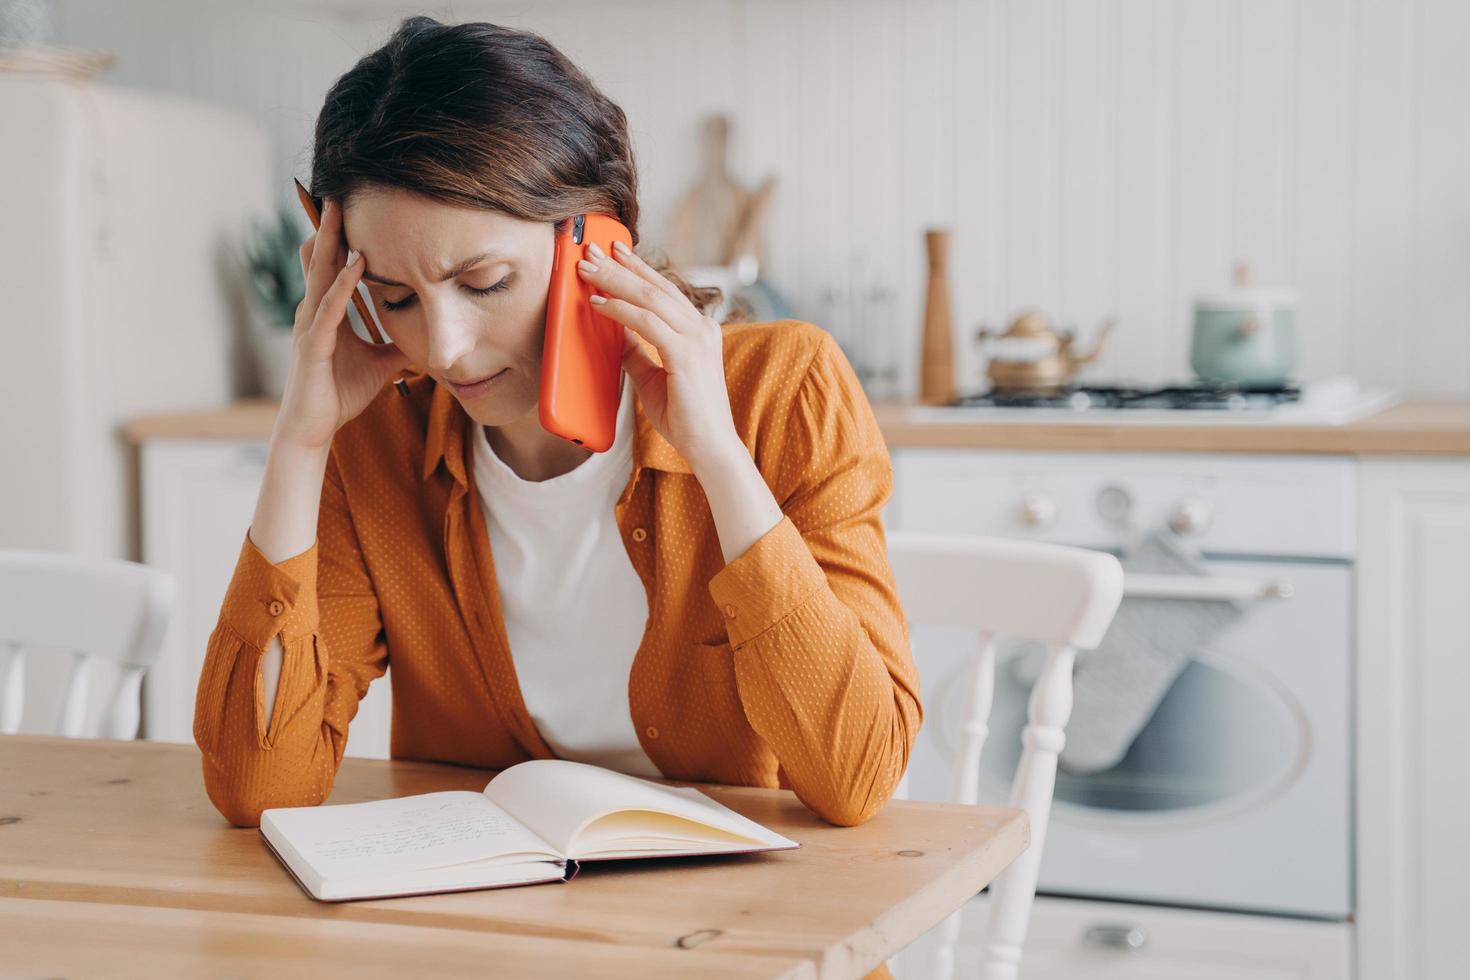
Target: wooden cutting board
749	234
717	220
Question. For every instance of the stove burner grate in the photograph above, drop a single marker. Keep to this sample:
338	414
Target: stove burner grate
1187	397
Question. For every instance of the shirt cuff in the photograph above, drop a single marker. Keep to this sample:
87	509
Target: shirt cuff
763	586
265	599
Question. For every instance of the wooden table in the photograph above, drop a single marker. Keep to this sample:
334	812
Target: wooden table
112	860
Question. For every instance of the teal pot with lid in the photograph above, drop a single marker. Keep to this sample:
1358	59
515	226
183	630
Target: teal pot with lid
1244	336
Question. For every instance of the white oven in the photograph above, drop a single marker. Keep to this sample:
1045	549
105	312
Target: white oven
1236	793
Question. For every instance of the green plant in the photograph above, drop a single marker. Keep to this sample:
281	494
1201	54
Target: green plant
275	267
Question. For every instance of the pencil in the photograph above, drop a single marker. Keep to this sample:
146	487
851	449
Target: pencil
357	301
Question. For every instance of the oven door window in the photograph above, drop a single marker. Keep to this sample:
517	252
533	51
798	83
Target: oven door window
1224	735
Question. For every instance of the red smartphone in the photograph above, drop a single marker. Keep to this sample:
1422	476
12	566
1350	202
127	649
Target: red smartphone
582	357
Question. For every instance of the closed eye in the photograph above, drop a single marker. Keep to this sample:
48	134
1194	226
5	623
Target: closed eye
497	287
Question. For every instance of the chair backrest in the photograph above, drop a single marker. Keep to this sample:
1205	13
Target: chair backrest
86	609
1061	596
1030	590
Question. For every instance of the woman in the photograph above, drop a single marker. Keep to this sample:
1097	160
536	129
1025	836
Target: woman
708	600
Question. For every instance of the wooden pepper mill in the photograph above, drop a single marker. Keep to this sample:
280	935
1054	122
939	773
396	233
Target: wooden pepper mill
936	378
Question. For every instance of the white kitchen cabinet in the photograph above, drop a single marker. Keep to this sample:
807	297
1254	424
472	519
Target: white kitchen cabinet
1413	793
1072	938
198	498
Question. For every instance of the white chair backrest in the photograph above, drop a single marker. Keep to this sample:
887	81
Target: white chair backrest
1027	589
87	609
1061	596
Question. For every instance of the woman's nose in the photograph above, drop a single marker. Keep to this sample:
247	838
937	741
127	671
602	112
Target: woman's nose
450	338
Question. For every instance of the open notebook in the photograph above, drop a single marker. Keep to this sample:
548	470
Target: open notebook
532	823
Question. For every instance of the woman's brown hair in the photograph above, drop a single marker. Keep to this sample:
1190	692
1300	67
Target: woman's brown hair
484	116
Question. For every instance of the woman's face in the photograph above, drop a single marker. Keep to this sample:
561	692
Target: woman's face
444	326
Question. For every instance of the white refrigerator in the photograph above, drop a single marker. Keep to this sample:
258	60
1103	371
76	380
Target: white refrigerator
122	292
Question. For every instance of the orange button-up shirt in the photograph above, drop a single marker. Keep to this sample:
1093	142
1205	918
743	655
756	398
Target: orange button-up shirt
788	666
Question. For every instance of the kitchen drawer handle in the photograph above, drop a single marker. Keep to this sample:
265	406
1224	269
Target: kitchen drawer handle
1115	936
1200	587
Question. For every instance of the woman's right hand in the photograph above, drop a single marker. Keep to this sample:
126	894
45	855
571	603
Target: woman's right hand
334	373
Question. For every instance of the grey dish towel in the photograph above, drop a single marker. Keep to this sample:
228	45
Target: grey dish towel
1117	687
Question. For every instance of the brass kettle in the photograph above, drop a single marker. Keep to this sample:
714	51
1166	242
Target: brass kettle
1032	355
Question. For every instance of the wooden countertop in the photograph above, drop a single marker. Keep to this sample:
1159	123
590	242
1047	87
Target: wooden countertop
1432	428
110	853
249	418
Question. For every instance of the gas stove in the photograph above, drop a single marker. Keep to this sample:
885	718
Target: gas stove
1332	401
1187	397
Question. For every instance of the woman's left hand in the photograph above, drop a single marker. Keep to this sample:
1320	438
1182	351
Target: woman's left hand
685	399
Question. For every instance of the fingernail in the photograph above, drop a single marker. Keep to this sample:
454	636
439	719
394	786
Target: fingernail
586	266
596	250
352	255
596	300
621	249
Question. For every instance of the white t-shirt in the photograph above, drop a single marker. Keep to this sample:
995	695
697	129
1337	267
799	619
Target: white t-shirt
574	607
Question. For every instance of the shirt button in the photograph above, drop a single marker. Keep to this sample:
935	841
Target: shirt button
730	611
639	534
276	607
651	732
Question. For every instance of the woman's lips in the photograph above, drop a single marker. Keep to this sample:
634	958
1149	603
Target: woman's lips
478	387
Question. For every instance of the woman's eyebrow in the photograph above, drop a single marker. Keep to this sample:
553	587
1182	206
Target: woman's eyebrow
443	277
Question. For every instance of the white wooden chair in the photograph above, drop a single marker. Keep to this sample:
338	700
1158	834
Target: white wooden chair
1061	596
87	609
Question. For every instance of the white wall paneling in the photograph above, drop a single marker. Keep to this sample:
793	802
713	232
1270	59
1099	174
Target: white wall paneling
1380	198
1087	121
1439	282
1321	181
1091	156
1143	150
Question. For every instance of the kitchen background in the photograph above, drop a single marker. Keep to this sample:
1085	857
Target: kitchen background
1091	157
1292	804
